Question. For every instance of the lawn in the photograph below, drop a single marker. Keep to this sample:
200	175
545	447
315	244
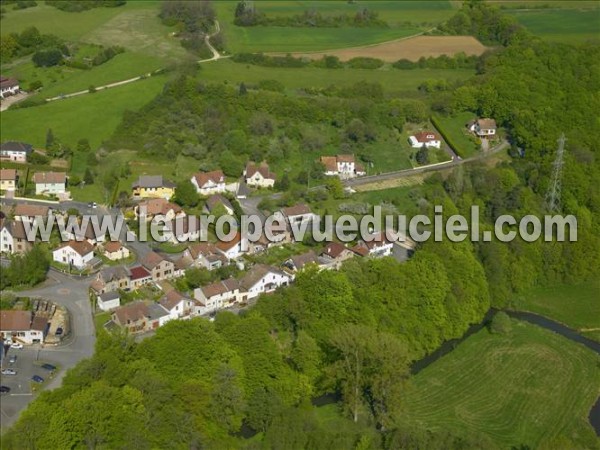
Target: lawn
405	19
393	80
455	128
100	319
519	389
91	116
574	305
566	25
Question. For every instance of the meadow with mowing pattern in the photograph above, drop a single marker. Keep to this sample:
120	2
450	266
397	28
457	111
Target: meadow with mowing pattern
527	387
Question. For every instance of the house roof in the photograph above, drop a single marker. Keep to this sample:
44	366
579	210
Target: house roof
156	206
31	210
302	260
82	248
49	177
360	250
152	181
426	136
13	320
330	163
345	158
377	240
151	260
216	176
108	296
156	311
224	246
297	210
172	299
202	248
113	273
139	273
16	228
217	199
8	174
133	312
220	287
6	83
113	246
256	273
486	124
262	168
334	249
13	146
39	323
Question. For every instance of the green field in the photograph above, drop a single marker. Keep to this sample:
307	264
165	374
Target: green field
392	80
524	388
565	25
454	127
405	19
574	305
91	116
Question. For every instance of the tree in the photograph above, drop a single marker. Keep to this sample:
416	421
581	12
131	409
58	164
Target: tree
283	184
185	194
83	145
47	58
49	139
422	155
227	403
243	89
501	323
88	178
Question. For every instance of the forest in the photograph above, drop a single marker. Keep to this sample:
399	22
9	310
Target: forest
354	332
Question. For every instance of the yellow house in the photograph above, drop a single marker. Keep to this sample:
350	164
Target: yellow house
8	179
153	187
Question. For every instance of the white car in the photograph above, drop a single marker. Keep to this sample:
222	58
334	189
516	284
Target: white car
9	372
16	345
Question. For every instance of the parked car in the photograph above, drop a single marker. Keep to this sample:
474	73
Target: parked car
92	205
37	379
9	372
16	345
59	331
4	389
12	359
49	367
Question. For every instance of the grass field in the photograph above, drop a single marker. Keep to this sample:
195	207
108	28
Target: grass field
574	305
454	127
565	25
392	80
523	388
91	116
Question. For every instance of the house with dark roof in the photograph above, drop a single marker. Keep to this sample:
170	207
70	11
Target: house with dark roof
8	86
207	183
108	301
13	237
74	253
139	276
50	183
152	186
8	179
15	151
259	175
110	279
298	262
215	201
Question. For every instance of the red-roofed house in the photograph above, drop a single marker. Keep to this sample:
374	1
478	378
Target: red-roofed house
343	166
114	251
48	183
336	253
75	253
207	183
8	179
234	248
425	138
139	276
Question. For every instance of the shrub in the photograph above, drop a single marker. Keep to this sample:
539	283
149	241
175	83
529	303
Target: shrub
47	58
501	323
365	63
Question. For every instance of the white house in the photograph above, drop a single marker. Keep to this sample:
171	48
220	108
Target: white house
177	305
259	175
219	295
262	279
483	127
425	138
76	253
296	214
377	245
154	206
8	87
207	183
19	326
108	301
234	248
48	183
206	255
8	179
13	237
343	166
114	251
15	151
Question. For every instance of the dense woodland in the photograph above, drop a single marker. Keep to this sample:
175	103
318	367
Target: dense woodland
356	331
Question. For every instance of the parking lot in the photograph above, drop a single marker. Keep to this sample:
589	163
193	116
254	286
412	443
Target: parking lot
28	364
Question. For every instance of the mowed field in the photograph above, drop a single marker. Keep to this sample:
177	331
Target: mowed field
525	388
563	25
404	18
411	48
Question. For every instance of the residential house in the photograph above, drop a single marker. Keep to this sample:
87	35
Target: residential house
8	179
8	86
18	326
207	183
114	251
31	213
50	183
13	238
158	206
177	305
297	214
215	201
234	248
205	255
336	254
259	175
261	279
108	301
74	253
377	245
343	166
219	295
483	127
159	267
157	316
110	279
425	138
132	317
138	277
298	262
152	186
15	151
184	229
